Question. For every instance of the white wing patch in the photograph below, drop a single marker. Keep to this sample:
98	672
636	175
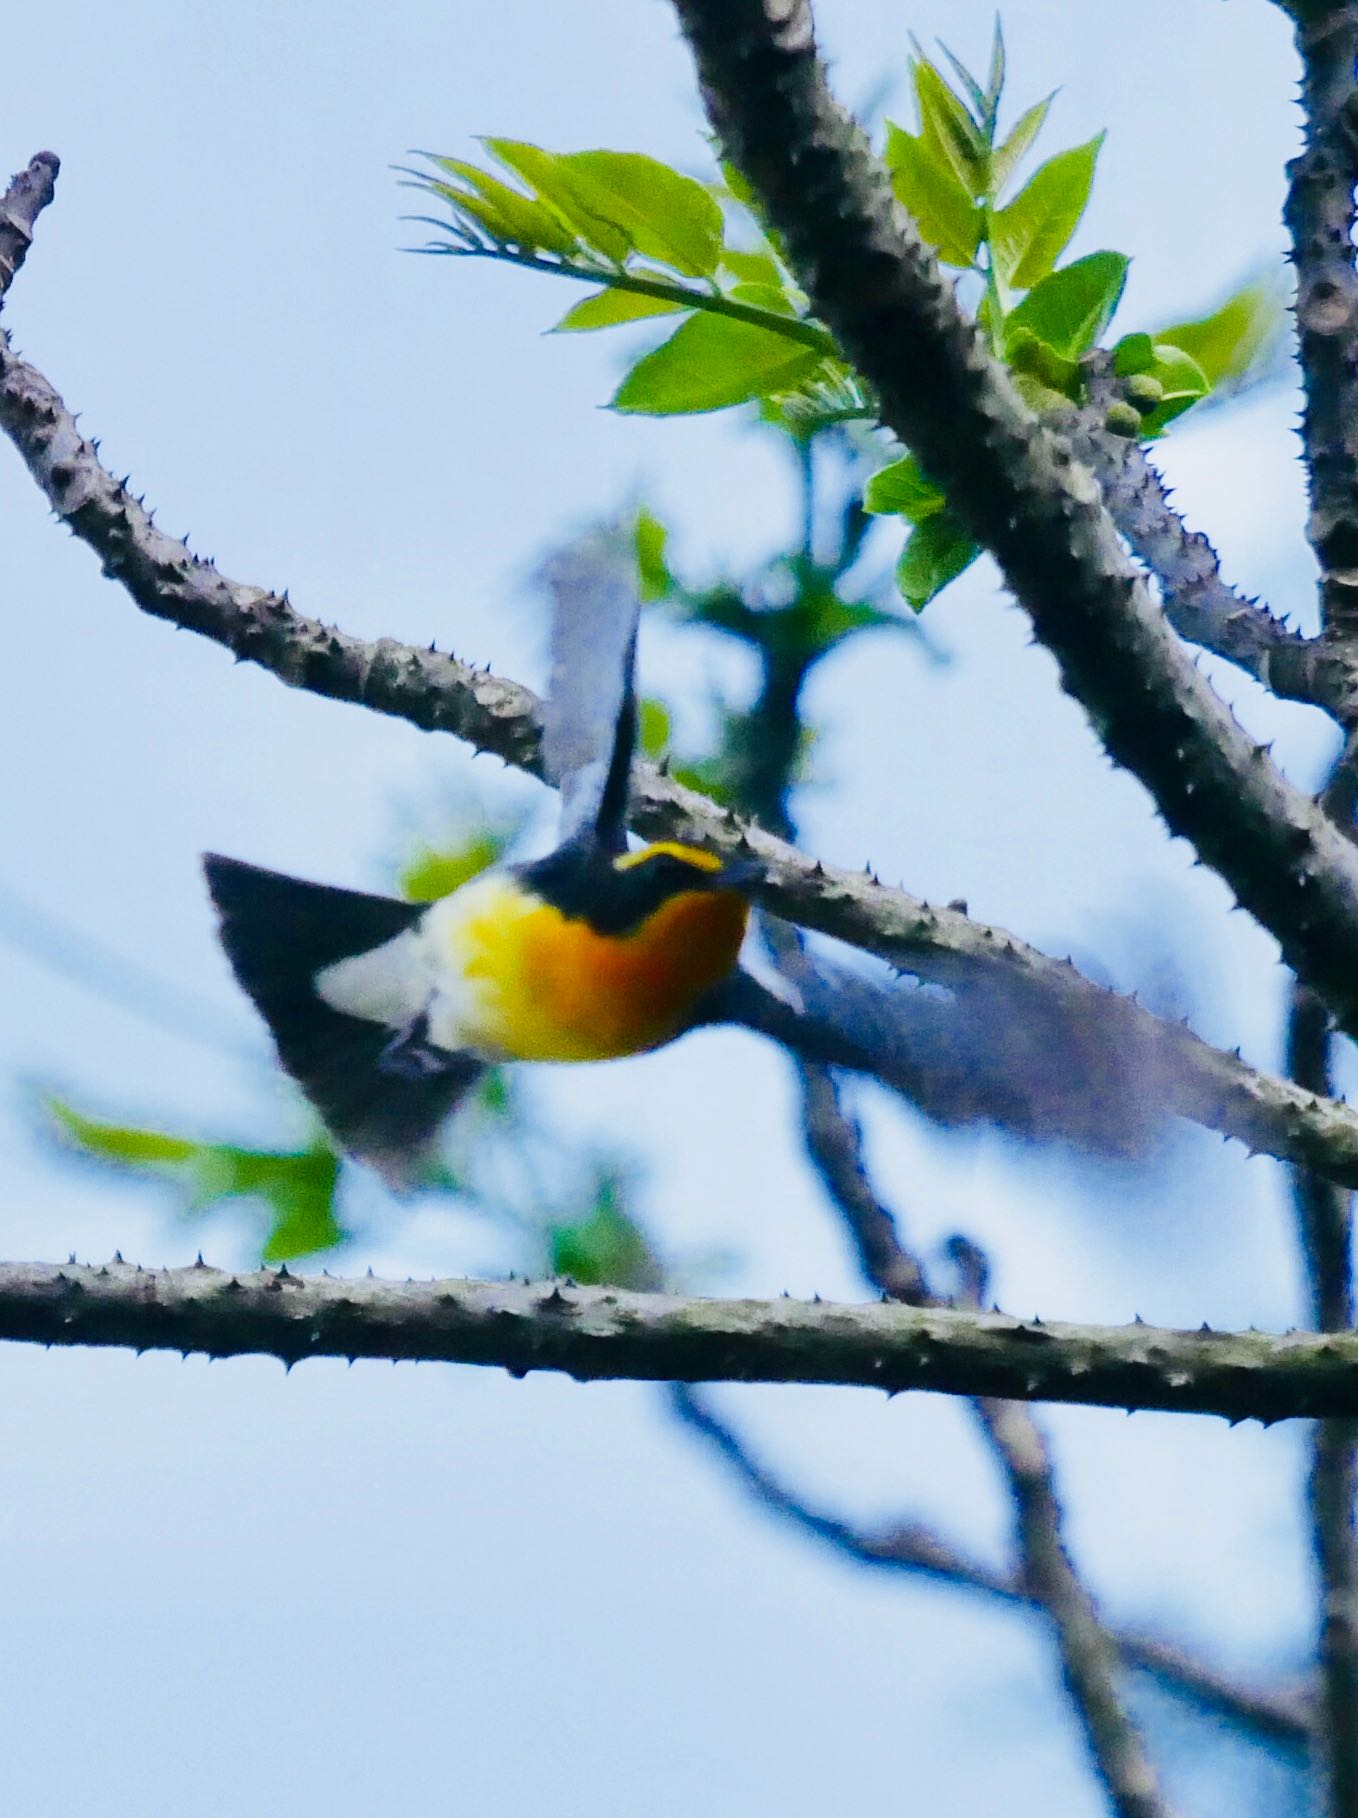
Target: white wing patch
424	971
389	984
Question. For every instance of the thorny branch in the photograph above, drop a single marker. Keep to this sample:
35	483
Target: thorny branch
606	1334
1280	1717
1324	1216
1325	1228
1017	487
28	194
1198	602
1320	218
436	692
1089	1656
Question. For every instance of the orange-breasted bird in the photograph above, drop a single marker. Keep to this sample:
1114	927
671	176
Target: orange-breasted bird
385	1012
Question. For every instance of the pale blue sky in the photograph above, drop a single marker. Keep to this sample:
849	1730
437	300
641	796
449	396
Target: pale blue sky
432	1591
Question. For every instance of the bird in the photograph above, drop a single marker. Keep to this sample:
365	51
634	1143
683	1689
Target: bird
386	1013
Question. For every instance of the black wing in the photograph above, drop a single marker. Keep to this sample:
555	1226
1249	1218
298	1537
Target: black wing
589	722
279	932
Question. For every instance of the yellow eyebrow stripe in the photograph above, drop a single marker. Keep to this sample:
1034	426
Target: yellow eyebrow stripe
689	855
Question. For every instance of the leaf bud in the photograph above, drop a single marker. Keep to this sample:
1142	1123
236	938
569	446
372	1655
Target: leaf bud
1123	420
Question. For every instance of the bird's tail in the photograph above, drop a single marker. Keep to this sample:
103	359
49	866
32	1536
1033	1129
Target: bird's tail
279	933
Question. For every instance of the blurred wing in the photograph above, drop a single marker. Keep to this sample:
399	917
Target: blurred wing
589	723
986	1052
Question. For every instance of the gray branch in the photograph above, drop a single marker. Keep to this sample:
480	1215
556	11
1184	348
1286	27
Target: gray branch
28	195
1279	1717
1320	219
1198	602
1325	1227
606	1334
1017	487
436	692
1088	1652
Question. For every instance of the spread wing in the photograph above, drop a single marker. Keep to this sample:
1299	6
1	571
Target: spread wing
383	1093
987	1051
589	723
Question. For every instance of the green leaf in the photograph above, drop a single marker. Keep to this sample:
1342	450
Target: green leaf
123	1143
437	871
505	214
830	393
771	297
754	268
1069	309
573	200
297	1186
304	1224
928	189
995	82
901	490
709	363
1033	359
654	727
936	552
946	124
828	620
1029	235
486	221
1133	353
975	93
650	537
1229	341
1183	382
666	215
604	1249
1008	156
739	188
607	308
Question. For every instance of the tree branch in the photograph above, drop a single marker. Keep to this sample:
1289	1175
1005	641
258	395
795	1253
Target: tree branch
1198	603
1320	219
1089	1657
1325	1221
1017	487
1325	1228
28	195
834	1145
436	692
1279	1717
605	1334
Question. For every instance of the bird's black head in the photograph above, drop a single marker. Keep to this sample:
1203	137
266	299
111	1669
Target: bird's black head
616	893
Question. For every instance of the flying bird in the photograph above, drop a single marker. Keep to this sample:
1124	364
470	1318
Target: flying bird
386	1012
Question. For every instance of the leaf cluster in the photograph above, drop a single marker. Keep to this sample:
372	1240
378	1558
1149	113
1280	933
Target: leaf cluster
658	243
